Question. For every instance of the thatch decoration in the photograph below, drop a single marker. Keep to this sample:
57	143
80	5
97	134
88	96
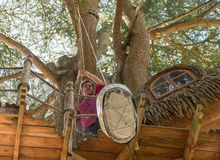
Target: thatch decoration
183	102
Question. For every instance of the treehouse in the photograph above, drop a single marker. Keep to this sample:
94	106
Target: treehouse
173	94
177	112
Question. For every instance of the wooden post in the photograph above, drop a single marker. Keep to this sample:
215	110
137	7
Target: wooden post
193	134
128	151
21	102
68	119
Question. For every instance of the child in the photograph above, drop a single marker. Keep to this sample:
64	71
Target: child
88	106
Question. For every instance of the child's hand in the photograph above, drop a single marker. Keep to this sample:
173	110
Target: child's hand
83	73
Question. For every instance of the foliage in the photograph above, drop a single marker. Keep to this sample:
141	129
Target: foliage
203	42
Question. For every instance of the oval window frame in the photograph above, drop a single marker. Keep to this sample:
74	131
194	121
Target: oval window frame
163	74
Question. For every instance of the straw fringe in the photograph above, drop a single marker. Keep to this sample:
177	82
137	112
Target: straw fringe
183	102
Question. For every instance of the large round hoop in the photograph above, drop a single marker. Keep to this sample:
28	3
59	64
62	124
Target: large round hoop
116	112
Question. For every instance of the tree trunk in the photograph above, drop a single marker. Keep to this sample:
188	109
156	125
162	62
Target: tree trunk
134	72
90	19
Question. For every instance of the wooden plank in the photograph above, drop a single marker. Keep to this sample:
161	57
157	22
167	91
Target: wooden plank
67	137
18	131
7	139
40	131
208	146
127	152
100	147
6	119
171	142
41	142
204	155
7	128
160	152
6	150
211	116
147	130
30	121
96	155
6	158
37	159
8	115
30	153
39	153
151	158
29	141
193	134
29	131
211	136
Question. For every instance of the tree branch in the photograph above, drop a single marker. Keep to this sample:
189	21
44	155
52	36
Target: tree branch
209	10
117	42
132	24
199	58
2	79
154	55
116	28
37	62
134	69
181	16
154	34
70	7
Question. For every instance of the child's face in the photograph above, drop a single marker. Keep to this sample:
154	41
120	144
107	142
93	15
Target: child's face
87	89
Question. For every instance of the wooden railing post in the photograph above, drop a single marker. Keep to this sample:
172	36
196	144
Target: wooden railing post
193	134
128	152
68	120
23	86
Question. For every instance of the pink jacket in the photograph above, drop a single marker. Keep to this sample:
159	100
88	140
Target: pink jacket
88	106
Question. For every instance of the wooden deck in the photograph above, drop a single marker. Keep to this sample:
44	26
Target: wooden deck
39	142
155	143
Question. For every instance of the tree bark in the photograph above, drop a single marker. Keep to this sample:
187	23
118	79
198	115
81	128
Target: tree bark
135	68
90	19
117	42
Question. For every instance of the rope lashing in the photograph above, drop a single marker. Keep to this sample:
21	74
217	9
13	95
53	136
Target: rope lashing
93	51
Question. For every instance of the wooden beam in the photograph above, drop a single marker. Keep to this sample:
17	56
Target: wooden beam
67	137
21	102
68	121
193	134
20	121
128	151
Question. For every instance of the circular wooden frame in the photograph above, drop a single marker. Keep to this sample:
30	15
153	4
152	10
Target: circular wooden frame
117	114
